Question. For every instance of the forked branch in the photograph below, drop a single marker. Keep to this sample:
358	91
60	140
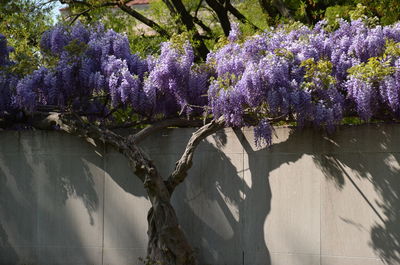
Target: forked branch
185	162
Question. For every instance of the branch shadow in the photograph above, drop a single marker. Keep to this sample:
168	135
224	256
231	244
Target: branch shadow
7	252
258	193
39	175
224	203
370	154
229	227
209	205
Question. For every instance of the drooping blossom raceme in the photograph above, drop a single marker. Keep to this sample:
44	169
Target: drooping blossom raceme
94	65
174	85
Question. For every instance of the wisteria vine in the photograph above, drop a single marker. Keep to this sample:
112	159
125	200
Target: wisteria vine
309	76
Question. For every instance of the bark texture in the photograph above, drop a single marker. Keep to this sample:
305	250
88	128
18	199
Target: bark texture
167	242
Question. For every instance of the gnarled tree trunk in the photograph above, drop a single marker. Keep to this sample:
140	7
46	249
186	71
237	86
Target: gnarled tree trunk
167	243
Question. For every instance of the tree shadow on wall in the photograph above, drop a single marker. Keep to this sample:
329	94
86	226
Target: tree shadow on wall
369	154
222	206
209	205
39	172
358	157
224	203
237	204
7	252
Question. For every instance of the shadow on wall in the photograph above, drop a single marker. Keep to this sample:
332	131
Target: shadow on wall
223	205
211	205
352	157
372	156
229	226
39	174
7	252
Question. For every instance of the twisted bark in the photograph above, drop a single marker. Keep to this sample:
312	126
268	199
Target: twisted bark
167	242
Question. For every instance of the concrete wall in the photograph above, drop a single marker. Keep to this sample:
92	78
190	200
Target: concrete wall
309	199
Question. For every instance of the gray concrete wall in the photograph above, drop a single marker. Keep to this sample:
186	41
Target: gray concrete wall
309	199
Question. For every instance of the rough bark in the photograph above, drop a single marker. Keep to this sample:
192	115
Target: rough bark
164	232
167	242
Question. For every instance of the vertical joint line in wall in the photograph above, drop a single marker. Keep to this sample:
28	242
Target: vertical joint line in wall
241	214
104	196
320	218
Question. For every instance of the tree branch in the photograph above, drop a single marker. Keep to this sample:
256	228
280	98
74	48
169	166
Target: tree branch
122	5
239	15
73	124
274	8
185	162
283	10
171	8
76	16
188	20
202	25
69	2
222	14
198	8
199	21
143	19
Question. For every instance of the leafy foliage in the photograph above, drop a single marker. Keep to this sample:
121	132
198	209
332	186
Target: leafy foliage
310	76
23	23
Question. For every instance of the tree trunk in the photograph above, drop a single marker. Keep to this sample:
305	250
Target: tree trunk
167	243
